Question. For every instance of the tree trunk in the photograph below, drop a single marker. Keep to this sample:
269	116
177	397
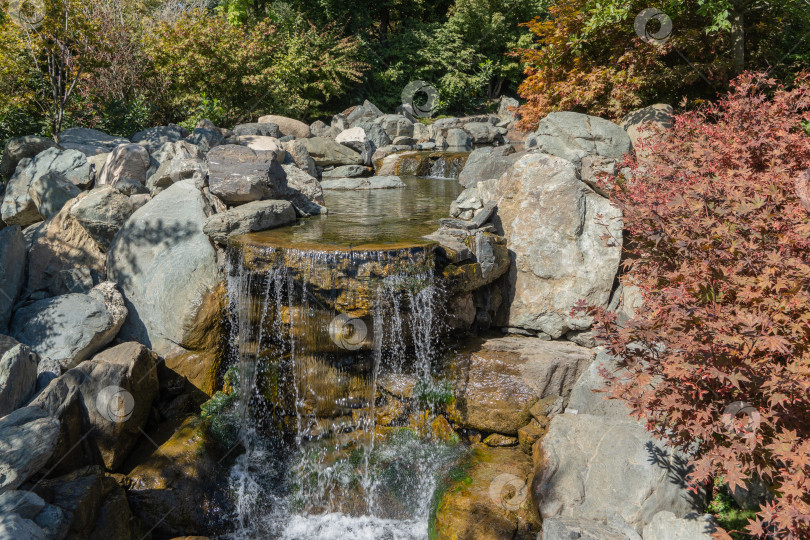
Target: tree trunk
737	40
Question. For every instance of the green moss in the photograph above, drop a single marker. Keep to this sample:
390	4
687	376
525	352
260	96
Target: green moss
728	513
432	395
457	478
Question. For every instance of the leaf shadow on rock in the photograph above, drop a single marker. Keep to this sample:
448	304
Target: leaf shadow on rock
677	469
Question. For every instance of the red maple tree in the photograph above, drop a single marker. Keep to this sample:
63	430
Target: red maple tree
718	240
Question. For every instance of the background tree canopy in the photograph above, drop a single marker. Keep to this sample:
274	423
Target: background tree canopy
142	62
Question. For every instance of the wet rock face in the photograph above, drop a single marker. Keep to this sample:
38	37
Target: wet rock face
555	227
489	499
498	382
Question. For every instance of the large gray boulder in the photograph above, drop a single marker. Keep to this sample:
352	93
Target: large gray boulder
19	207
63	256
102	213
496	385
585	529
116	388
19	148
297	153
12	270
374	133
287	126
89	141
155	137
261	143
28	439
256	128
251	217
555	226
600	468
166	268
18	374
346	171
126	162
366	112
206	138
487	163
458	140
238	174
15	527
587	396
483	132
50	192
395	125
68	329
302	190
572	136
182	161
667	526
327	152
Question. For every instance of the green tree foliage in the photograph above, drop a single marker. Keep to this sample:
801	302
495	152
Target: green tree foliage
292	68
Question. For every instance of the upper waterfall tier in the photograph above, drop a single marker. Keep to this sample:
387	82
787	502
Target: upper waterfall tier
379	219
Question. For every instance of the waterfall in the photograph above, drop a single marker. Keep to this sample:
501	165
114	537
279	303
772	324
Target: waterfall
313	333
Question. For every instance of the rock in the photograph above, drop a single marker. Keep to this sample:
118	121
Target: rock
250	217
366	112
302	190
68	329
102	213
482	132
15	527
18	374
598	467
139	199
355	134
19	148
173	487
287	126
155	137
188	162
347	171
50	192
319	129
19	207
89	141
499	381
12	267
127	161
487	163
649	121
117	388
31	233
572	136
327	152
496	439
129	187
297	153
25	504
458	138
53	522
583	529
167	269
666	526
506	106
489	499
554	225
489	260
256	128
238	174
94	505
594	169
375	133
373	182
206	139
453	243
27	441
64	257
461	311
586	397
264	144
395	125
404	141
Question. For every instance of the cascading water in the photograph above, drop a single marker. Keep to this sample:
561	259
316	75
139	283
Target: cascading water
321	339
